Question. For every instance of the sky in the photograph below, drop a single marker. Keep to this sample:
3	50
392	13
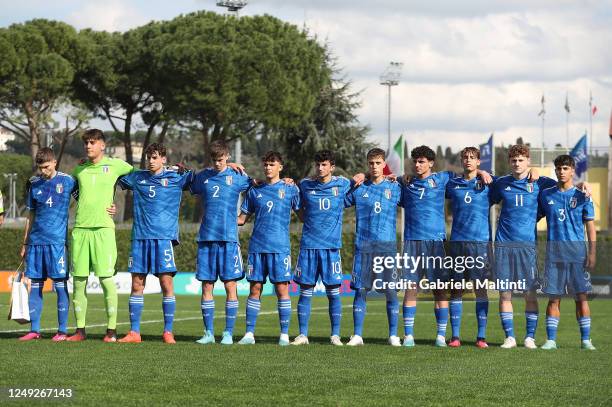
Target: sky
470	67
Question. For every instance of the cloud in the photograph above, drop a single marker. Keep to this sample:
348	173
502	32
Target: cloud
110	15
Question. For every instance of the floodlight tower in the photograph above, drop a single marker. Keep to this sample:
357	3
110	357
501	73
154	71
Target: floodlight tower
390	77
234	7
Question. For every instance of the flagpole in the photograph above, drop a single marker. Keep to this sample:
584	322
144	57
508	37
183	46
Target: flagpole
591	122
543	114
492	217
567	112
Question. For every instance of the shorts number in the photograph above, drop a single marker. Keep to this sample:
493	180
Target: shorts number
422	193
168	255
49	202
518	200
467	198
561	215
61	261
324	204
151	191
235	261
336	268
269	204
377	207
287	262
216	191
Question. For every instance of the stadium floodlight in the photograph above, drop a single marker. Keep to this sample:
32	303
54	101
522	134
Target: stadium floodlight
390	77
233	6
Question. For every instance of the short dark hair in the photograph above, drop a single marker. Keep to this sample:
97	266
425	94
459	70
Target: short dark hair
376	152
518	149
272	156
44	155
158	148
565	159
325	155
470	150
93	134
423	151
218	149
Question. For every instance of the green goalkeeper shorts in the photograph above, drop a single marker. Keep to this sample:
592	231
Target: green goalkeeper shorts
93	249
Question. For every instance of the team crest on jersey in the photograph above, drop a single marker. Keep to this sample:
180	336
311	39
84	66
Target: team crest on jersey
573	202
431	183
335	191
164	182
388	193
105	169
479	185
59	188
229	180
281	193
529	187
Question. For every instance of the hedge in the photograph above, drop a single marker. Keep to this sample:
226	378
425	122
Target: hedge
185	253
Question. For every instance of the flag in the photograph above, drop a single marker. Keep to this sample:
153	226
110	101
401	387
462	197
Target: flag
542	111
592	108
395	157
486	156
579	153
567	107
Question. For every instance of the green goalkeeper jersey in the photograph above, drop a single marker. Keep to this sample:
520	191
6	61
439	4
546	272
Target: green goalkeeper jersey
97	190
1	204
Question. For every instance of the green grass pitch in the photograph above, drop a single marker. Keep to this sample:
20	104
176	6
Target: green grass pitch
153	373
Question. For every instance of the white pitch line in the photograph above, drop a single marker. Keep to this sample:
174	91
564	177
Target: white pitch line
156	321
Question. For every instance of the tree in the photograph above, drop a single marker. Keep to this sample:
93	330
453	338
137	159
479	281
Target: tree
332	125
236	78
36	73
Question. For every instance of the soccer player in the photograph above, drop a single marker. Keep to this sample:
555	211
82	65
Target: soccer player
44	242
269	246
322	200
157	199
424	235
568	264
93	246
470	240
376	202
515	242
218	249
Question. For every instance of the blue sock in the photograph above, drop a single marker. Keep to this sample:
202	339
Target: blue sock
252	310
441	320
359	311
531	321
552	324
507	320
456	309
168	307
303	309
35	302
335	309
63	305
482	312
392	315
231	311
585	328
284	315
208	315
409	313
136	304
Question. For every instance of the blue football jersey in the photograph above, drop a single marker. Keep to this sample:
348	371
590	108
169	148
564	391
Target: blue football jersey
323	206
423	203
519	198
157	200
49	199
219	192
375	211
470	205
271	205
566	212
